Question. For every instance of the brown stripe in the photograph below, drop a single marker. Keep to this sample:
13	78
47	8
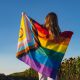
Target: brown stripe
22	52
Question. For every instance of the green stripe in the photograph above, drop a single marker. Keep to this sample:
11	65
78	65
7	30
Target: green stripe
57	56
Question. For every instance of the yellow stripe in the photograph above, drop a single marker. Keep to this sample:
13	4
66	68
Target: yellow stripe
22	32
58	47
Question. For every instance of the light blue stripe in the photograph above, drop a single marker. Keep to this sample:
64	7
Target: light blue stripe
27	45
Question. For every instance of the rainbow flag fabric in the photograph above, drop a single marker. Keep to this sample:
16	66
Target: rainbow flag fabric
38	49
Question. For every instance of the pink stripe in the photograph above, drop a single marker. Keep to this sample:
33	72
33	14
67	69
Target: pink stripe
20	45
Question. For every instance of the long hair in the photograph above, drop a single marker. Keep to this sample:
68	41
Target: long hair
51	21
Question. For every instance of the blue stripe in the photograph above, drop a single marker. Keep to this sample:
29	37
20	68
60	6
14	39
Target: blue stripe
43	59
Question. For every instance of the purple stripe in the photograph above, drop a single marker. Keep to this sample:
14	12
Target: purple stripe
37	66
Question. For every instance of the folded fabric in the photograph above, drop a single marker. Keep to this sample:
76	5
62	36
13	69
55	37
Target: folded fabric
38	49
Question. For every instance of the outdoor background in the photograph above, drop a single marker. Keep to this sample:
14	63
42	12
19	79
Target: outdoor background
68	12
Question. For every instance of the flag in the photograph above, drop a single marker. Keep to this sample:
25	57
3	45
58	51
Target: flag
26	40
47	56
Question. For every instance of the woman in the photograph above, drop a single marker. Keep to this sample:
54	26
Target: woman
44	50
51	23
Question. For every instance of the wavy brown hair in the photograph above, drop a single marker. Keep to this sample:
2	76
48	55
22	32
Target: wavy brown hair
51	22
